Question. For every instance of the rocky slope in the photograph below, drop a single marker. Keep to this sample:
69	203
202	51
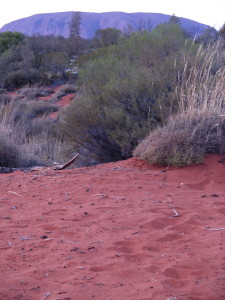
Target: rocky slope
58	23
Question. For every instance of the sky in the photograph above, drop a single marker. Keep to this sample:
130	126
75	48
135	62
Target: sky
203	11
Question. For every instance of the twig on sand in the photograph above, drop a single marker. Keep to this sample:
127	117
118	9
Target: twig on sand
66	165
11	192
165	170
175	213
46	295
216	229
100	195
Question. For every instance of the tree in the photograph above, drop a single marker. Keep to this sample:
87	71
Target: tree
9	39
222	31
210	35
107	37
174	20
75	25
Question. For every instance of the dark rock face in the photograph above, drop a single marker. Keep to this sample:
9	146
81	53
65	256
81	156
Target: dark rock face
58	23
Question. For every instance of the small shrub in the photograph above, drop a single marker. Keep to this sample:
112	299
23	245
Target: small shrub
69	89
4	99
9	155
34	92
21	77
184	142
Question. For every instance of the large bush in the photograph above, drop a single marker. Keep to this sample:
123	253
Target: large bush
125	92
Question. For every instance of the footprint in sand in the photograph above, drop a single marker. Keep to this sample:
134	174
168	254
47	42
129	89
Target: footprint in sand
170	238
198	186
101	268
158	224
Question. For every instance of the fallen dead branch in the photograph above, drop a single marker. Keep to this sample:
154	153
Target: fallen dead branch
216	229
69	163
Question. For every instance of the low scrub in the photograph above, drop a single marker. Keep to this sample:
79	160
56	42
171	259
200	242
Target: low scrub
184	141
125	92
32	93
21	77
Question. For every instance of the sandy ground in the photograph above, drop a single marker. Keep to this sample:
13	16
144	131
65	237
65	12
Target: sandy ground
117	231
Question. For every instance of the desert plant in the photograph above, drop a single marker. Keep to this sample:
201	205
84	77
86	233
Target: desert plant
5	98
21	77
31	141
199	126
125	91
9	154
32	93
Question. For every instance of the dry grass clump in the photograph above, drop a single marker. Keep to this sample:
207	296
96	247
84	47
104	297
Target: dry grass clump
9	154
184	142
69	89
27	141
199	126
4	99
32	93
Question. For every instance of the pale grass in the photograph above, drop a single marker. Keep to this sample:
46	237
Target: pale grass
38	149
199	125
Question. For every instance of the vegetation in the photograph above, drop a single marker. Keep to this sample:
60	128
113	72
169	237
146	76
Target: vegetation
126	91
199	126
28	137
155	83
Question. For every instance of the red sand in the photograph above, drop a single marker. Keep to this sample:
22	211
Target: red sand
110	232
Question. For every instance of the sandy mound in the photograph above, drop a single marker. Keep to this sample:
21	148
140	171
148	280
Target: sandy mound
118	231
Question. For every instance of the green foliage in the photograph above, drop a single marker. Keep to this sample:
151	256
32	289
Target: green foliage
9	39
125	93
21	77
36	59
107	37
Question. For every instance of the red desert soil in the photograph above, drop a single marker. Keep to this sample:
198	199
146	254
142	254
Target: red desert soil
117	231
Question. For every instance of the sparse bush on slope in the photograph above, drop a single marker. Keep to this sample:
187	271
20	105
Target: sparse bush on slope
199	126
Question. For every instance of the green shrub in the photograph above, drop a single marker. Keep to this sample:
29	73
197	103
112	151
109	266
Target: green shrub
126	92
21	77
